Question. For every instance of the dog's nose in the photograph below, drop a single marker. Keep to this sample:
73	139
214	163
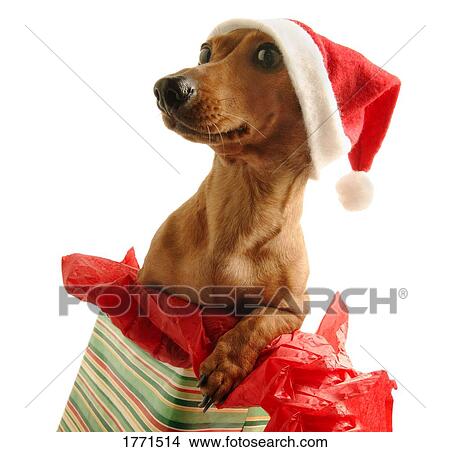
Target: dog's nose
172	92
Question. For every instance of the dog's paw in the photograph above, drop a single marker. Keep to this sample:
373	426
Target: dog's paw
222	371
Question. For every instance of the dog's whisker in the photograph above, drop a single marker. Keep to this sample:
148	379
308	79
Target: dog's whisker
220	134
289	157
209	134
244	120
226	98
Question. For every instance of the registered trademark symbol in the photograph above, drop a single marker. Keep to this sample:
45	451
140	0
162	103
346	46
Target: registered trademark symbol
402	293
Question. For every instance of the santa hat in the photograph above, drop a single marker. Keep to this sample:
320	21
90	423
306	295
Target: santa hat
346	101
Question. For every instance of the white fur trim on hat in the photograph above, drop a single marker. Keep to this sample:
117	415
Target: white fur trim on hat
304	62
355	190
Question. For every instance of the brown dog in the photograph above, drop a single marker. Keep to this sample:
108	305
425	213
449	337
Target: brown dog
242	226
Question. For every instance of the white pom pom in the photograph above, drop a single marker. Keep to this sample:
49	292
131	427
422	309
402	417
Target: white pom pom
355	190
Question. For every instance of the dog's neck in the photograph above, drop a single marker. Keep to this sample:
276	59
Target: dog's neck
247	206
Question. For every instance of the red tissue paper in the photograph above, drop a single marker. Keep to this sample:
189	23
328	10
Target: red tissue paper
304	381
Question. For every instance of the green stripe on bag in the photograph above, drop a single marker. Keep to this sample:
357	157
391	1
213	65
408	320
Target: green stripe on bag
119	387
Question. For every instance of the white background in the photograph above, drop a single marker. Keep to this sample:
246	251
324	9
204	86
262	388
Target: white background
76	178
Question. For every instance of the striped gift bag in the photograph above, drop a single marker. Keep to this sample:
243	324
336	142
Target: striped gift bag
119	387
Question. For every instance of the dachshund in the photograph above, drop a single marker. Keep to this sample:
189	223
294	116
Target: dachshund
242	227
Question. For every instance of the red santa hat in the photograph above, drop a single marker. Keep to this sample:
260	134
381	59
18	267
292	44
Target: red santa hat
346	101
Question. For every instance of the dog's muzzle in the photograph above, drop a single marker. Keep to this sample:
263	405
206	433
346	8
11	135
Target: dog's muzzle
173	92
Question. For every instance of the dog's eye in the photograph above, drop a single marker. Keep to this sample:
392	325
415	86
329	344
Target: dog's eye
268	56
205	55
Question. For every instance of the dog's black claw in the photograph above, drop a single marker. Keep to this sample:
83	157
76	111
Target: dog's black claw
202	380
205	401
210	402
